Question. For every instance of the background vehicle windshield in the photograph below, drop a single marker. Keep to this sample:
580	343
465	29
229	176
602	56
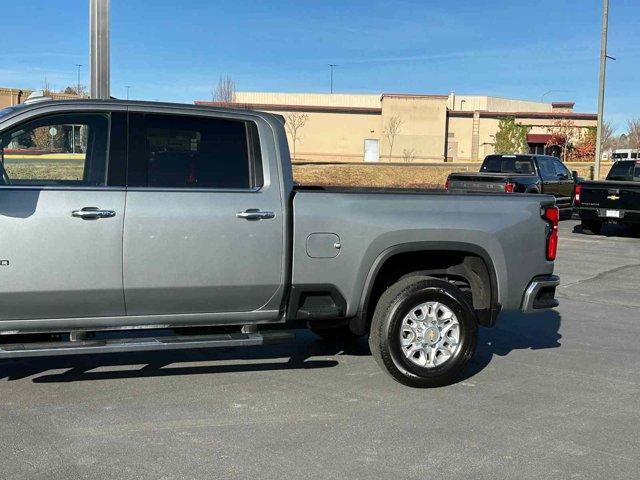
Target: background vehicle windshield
500	164
625	171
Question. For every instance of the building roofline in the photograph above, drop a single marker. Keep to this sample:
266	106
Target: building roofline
551	115
563	104
413	95
292	108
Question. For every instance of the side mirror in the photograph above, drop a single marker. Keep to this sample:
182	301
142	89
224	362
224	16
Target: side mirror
574	173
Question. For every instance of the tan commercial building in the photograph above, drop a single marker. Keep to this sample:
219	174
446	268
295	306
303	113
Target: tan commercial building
429	128
13	96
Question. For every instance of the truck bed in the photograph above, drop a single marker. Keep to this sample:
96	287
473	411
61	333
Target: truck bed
482	182
434	220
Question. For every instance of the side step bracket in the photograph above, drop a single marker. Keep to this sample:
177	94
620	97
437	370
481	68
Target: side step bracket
78	347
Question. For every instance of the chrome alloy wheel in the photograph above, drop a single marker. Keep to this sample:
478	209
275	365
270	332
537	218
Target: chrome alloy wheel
430	334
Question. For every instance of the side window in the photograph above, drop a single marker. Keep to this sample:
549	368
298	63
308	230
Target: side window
561	171
195	152
64	149
547	172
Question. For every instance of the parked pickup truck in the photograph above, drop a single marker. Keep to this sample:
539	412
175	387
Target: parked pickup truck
519	174
160	216
615	200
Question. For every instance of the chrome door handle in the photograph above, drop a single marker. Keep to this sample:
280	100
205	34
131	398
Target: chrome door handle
93	213
255	214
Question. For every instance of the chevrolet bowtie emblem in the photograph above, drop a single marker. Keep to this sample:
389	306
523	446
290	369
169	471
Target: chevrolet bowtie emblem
613	197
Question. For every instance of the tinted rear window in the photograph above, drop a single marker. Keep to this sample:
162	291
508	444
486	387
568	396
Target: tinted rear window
500	164
624	171
197	152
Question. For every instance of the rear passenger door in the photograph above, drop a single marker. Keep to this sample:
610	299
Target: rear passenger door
204	224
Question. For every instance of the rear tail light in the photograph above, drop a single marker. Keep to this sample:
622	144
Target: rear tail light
509	187
577	190
446	184
552	216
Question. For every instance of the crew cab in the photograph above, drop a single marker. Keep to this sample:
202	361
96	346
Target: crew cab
519	174
615	200
163	218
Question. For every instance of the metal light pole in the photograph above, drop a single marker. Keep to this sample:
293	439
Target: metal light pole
332	65
603	68
127	87
99	48
78	86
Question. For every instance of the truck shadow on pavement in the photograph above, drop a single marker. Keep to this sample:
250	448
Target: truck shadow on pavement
291	356
610	230
514	331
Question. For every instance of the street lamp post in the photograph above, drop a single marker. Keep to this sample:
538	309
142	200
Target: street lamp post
127	87
78	86
332	66
99	49
550	91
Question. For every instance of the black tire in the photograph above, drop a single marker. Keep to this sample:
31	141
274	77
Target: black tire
384	338
591	227
332	332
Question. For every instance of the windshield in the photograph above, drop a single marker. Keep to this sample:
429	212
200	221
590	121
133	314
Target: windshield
625	171
504	164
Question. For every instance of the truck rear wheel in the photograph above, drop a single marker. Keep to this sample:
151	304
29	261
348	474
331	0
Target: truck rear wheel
423	332
592	227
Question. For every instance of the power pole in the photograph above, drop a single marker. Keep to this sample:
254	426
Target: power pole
332	66
99	48
603	68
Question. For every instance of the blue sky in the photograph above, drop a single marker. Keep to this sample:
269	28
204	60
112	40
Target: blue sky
176	50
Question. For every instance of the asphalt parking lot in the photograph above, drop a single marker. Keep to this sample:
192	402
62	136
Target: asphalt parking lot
552	395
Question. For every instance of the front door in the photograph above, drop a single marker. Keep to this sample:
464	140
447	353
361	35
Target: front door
371	150
60	222
565	179
203	232
550	182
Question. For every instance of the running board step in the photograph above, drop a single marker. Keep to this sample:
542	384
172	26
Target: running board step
22	350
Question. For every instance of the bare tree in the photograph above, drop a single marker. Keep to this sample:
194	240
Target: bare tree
46	87
225	91
73	90
633	133
294	122
391	130
608	136
408	155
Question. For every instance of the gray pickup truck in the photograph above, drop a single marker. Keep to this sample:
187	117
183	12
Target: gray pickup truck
119	216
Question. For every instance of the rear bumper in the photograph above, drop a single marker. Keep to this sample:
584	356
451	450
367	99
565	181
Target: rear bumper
540	294
626	216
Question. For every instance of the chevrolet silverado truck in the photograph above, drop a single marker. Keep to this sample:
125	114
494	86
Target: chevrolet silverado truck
520	174
139	219
615	200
